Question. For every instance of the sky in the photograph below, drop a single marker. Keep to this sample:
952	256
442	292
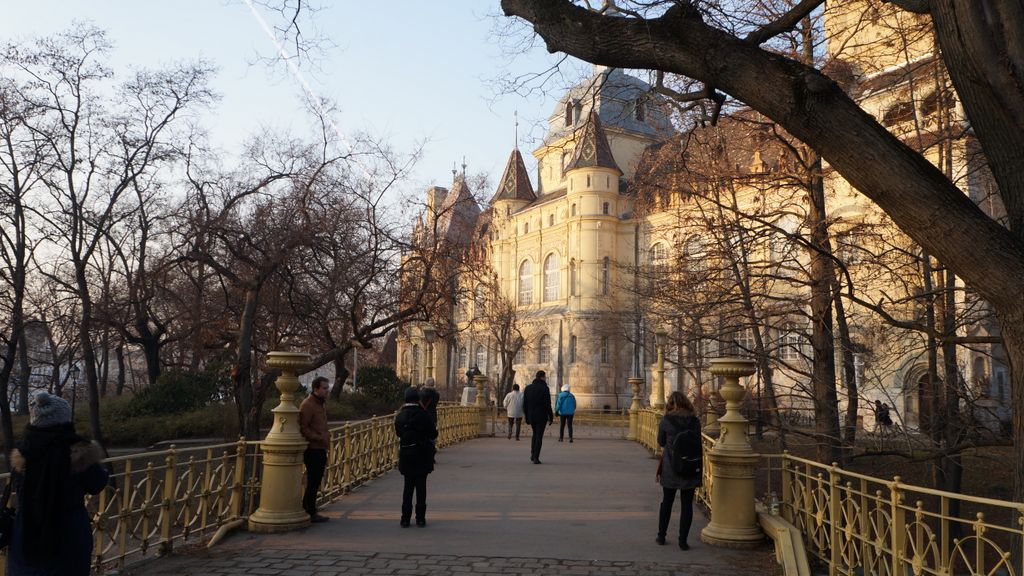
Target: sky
413	72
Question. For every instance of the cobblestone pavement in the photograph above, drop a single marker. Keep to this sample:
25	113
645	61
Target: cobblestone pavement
305	563
591	508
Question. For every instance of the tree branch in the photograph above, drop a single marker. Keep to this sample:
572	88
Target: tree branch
784	23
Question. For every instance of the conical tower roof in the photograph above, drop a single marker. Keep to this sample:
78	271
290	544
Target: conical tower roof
592	149
515	182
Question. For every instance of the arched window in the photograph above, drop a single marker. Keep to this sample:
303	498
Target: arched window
551	278
481	358
659	253
525	283
604	349
572	278
789	342
551	219
605	276
544	350
588	180
573	210
463	357
526	227
693	251
572	349
569	109
604	208
520	356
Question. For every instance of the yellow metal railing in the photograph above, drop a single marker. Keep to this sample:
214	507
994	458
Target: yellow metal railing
859	524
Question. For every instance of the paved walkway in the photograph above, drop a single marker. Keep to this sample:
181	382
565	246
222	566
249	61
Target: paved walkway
590	508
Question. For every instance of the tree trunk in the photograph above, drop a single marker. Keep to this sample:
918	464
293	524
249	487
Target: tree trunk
849	372
119	352
823	377
248	422
26	373
105	362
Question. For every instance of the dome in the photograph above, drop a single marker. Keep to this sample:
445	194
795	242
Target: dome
620	100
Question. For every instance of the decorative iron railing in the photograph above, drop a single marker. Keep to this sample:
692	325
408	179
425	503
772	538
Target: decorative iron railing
859	524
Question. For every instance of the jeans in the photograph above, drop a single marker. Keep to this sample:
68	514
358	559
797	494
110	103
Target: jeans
685	513
315	460
519	425
418	484
561	426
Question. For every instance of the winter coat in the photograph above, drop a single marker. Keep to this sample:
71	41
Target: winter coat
669	426
53	471
416	434
537	403
313	422
514	404
565	405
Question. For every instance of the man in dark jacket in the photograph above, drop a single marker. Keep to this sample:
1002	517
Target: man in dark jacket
416	434
537	412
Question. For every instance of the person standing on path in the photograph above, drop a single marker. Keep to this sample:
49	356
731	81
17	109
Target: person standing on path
429	397
679	416
416	434
53	469
565	408
313	426
514	410
537	412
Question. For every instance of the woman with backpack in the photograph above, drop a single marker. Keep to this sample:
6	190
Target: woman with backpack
679	469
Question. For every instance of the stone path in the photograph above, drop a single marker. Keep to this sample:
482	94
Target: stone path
590	508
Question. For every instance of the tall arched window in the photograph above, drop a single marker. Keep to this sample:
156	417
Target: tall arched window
572	349
693	250
544	350
569	109
604	349
481	358
525	283
463	357
572	278
551	284
659	253
605	276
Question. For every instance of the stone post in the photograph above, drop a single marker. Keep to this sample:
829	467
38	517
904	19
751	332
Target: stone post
659	379
733	519
281	493
634	409
480	381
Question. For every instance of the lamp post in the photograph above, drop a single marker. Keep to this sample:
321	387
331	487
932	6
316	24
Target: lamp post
660	338
430	335
75	371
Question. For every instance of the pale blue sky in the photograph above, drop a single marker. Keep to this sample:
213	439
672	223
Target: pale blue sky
408	71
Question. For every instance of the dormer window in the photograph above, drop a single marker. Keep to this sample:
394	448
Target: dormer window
638	110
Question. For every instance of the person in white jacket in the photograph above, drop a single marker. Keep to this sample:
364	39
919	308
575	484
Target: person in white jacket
514	408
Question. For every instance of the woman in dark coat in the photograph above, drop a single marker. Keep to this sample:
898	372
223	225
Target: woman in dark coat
679	415
416	434
54	469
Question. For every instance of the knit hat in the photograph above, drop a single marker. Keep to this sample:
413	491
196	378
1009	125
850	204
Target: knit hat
429	383
48	410
565	387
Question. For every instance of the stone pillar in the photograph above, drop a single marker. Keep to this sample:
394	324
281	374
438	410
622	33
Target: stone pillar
659	379
480	381
634	409
281	493
733	519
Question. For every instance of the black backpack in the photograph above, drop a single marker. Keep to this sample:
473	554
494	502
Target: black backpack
686	452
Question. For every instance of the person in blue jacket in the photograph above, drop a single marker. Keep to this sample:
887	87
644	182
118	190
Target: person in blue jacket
565	409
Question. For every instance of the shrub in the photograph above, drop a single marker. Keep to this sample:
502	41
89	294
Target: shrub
175	392
381	385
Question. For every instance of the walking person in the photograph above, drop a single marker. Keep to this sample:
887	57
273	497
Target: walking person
679	435
54	468
537	412
313	427
514	410
565	408
883	418
416	434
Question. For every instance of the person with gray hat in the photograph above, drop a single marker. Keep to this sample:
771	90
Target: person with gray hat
53	469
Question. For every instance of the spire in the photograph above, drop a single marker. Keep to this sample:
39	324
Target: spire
592	149
515	181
